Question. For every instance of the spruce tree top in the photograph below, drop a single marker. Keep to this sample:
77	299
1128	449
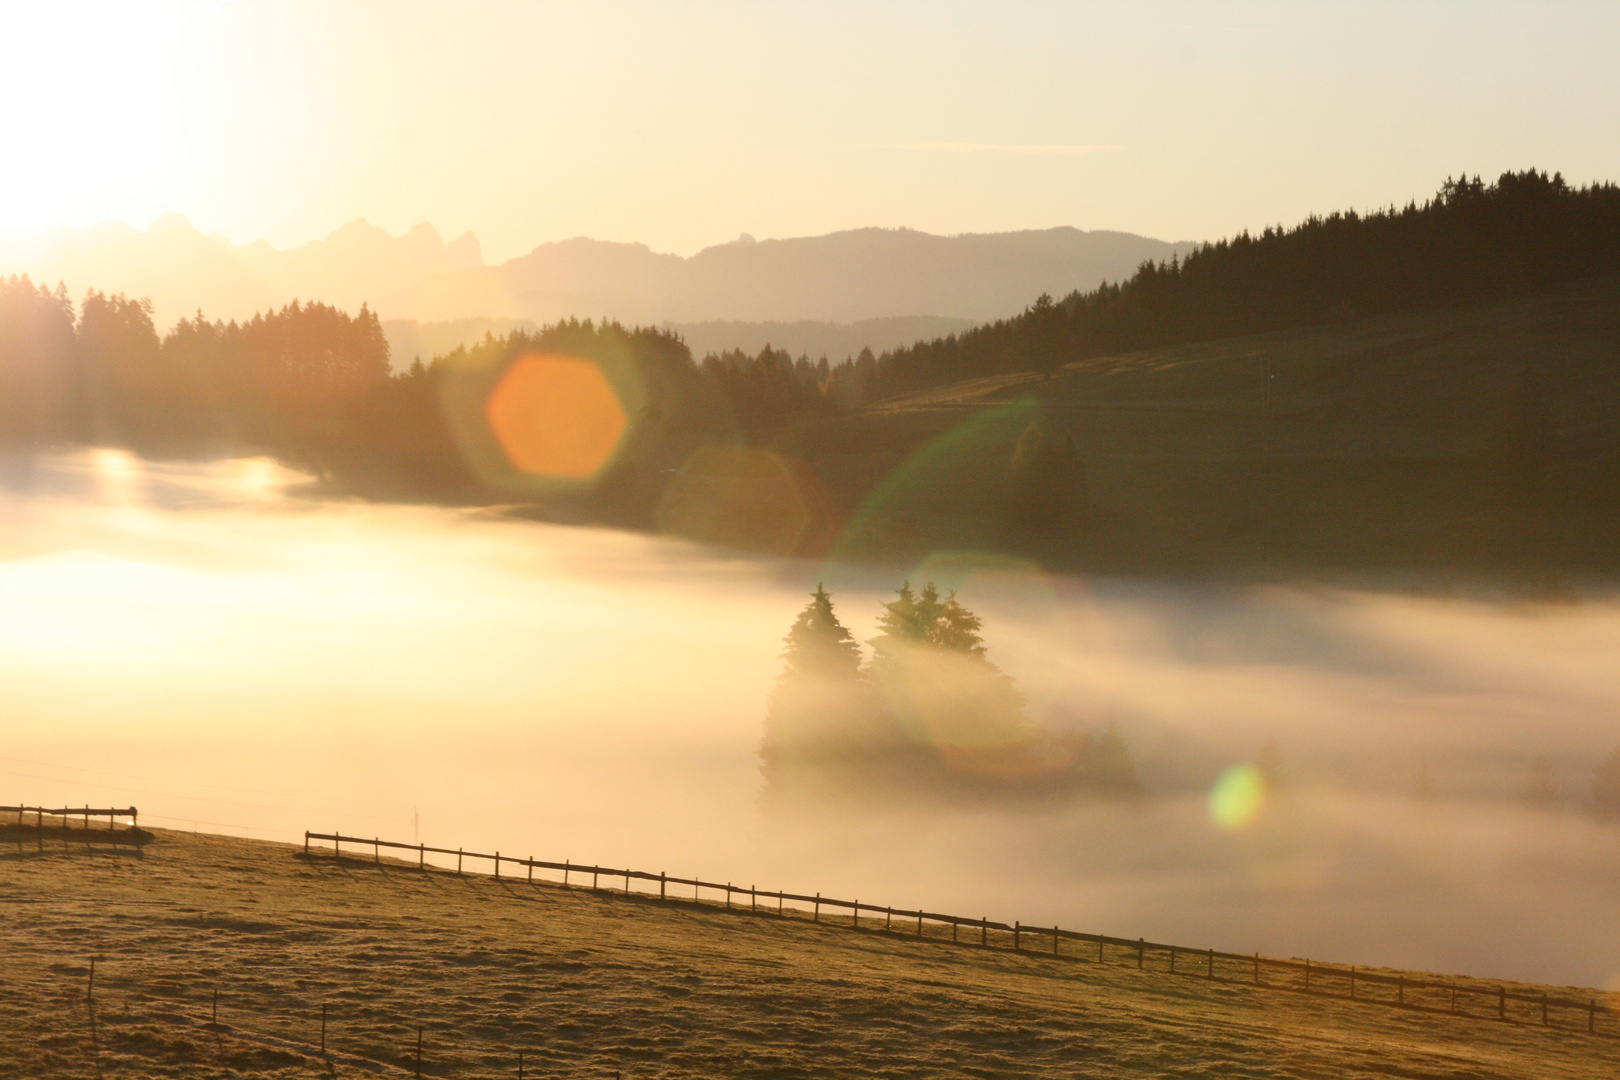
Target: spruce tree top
818	644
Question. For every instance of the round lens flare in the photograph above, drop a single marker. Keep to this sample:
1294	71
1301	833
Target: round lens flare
1237	797
556	417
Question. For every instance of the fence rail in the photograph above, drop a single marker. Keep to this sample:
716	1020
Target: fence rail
62	826
1305	976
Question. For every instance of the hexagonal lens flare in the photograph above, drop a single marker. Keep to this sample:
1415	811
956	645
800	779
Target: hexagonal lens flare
556	417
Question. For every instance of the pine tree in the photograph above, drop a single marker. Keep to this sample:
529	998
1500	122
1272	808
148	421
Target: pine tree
821	727
818	644
930	666
956	629
905	623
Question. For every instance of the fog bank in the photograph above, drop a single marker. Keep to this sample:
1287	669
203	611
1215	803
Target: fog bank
218	647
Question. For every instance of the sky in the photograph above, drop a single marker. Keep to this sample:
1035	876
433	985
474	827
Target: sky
684	125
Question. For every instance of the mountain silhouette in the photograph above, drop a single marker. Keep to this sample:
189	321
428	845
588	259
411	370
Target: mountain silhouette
838	279
181	270
841	277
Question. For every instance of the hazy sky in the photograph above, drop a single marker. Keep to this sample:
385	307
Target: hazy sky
682	125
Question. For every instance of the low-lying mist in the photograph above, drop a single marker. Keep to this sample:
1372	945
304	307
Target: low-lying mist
230	653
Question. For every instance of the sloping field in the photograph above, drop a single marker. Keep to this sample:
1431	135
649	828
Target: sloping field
599	984
1371	444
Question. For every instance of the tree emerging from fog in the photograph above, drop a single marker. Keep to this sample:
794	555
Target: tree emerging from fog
930	715
822	724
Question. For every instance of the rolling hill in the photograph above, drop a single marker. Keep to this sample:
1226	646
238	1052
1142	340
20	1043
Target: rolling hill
1475	438
600	983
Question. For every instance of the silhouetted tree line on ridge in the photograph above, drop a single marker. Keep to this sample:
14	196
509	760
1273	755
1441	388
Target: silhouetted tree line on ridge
313	384
1472	242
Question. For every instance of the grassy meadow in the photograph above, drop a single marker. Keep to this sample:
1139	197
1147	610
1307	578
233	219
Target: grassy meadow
599	984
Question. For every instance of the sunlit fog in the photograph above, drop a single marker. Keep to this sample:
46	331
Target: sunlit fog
1325	771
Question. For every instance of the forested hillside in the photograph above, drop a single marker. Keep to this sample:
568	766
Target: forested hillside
1430	383
1472	242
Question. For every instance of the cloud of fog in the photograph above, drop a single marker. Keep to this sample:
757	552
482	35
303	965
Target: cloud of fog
215	646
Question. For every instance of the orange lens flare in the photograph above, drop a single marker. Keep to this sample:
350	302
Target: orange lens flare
556	417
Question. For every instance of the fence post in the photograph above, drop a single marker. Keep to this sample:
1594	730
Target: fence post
1352	980
337	840
984	930
306	841
1141	946
421	856
919	922
1211	973
531	882
497	866
1018	929
855	916
90	990
663	885
627	883
1501	1002
595	873
1400	989
565	871
1257	969
753	898
1172	959
954	925
39	824
816	915
376	849
728	896
1099	949
1453	997
1054	939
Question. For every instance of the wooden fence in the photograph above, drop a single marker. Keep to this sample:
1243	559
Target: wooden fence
63	824
1471	998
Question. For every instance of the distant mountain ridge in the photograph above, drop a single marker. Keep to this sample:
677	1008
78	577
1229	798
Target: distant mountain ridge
840	278
182	271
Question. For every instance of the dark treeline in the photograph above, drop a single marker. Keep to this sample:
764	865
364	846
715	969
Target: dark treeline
313	384
301	378
1472	242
